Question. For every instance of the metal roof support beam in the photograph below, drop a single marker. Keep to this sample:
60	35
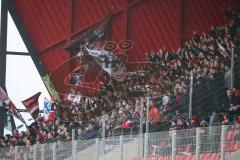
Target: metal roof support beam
3	42
3	48
18	53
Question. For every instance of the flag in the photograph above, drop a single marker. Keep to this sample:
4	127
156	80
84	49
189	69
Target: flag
109	62
48	110
51	116
4	97
8	104
50	87
32	105
95	36
15	112
3	94
20	126
37	132
126	125
93	42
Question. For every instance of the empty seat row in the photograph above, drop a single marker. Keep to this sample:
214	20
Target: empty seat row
206	156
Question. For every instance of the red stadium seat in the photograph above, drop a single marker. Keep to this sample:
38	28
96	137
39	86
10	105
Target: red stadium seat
188	157
183	157
229	140
202	156
218	157
213	156
237	145
160	158
194	157
167	157
178	157
207	156
153	158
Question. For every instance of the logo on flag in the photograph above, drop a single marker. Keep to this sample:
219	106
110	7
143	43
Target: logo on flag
109	63
48	110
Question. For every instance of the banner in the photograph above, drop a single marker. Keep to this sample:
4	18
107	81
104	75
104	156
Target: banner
94	37
110	63
50	87
92	45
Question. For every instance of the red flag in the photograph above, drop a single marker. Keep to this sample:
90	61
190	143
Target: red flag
38	133
32	105
52	98
95	37
95	46
126	125
51	116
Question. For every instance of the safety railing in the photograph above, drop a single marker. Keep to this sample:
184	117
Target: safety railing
219	141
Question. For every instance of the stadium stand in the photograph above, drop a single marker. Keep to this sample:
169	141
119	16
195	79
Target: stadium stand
195	56
108	125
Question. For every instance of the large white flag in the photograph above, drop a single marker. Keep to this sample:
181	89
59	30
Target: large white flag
103	58
109	63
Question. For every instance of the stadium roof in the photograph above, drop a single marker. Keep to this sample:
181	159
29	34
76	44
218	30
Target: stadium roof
46	26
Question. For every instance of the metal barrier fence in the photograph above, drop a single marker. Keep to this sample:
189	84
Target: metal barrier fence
198	142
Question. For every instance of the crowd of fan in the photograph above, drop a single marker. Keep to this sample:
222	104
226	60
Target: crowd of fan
166	79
